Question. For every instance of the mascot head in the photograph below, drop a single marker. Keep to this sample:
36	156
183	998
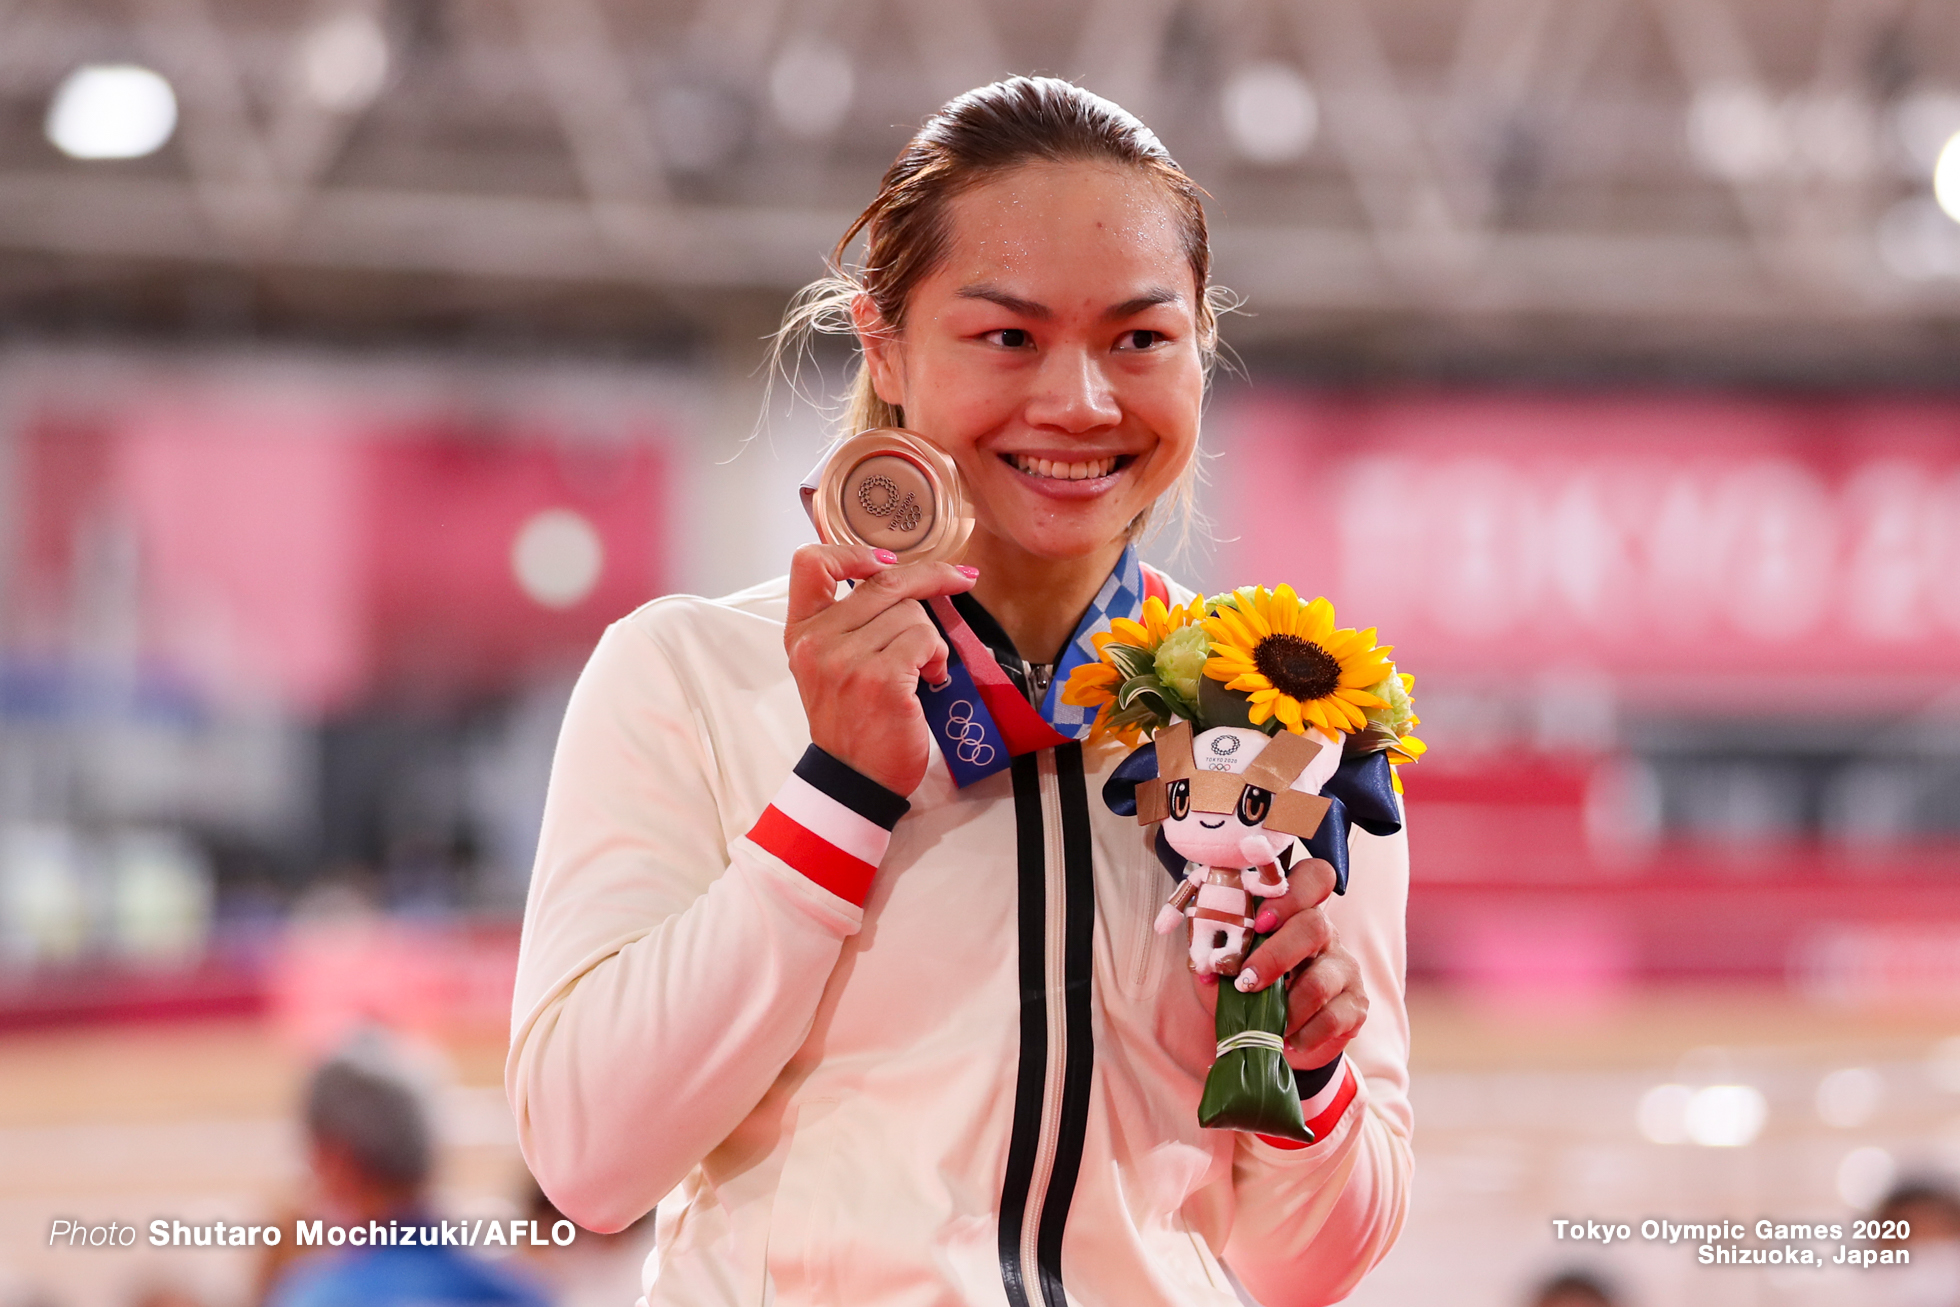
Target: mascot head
1236	797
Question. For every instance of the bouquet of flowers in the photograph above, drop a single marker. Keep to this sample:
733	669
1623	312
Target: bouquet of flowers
1255	723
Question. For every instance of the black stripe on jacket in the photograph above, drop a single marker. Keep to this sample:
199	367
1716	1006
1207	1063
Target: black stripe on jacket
1030	860
1078	959
1078	1049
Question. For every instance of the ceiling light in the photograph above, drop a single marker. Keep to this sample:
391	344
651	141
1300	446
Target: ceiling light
112	111
1946	178
1270	112
811	88
343	62
1735	132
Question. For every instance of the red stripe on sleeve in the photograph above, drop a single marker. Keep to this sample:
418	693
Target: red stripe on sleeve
1323	1125
816	857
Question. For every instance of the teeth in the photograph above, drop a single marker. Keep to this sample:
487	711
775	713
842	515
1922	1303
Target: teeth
1059	471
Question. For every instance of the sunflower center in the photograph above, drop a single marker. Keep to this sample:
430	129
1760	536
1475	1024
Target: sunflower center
1298	668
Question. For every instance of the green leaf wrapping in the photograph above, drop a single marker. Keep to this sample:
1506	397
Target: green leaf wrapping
1140	687
1252	1088
1129	660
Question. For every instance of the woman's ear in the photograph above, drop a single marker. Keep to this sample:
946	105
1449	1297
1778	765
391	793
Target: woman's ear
882	350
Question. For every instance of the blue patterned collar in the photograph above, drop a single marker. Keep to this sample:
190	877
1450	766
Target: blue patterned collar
1121	596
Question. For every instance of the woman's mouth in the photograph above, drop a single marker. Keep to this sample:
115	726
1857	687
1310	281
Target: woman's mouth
1055	469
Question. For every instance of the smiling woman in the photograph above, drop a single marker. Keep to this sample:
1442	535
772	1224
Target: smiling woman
1069	418
826	936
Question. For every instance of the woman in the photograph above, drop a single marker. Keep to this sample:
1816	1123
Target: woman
898	1041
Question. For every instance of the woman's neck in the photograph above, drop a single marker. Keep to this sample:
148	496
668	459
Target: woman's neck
1037	601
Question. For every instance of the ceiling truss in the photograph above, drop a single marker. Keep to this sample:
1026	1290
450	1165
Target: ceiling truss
1518	157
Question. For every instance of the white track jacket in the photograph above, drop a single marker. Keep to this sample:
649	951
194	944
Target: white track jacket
892	1057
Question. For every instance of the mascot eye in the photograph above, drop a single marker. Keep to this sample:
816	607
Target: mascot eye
1179	794
1254	804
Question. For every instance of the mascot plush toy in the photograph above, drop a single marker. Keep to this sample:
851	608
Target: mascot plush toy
1232	800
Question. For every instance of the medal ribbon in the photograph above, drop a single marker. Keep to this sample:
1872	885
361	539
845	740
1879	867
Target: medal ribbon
977	715
980	718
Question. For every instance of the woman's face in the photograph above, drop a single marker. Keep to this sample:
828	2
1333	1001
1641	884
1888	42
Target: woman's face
1054	354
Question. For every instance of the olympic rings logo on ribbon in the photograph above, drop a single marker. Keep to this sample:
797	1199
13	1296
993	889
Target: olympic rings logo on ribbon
969	738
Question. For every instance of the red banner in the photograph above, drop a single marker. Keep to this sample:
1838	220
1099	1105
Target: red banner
309	553
1698	538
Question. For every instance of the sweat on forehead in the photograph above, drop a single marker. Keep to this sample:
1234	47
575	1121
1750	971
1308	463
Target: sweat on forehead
1029	220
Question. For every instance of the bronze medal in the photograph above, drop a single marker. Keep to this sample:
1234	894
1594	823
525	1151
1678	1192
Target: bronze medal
891	489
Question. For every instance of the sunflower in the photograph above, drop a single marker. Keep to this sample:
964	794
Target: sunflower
1158	622
1296	667
1125	683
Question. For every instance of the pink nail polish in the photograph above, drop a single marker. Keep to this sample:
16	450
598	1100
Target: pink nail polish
968	572
1266	922
1248	981
884	556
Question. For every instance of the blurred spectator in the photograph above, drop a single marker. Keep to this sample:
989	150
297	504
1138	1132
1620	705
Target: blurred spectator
1575	1289
1930	1210
371	1151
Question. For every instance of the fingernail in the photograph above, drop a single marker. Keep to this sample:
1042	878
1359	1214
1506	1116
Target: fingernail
968	572
1266	922
1248	981
885	556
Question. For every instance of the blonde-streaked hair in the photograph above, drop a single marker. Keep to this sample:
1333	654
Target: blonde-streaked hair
973	138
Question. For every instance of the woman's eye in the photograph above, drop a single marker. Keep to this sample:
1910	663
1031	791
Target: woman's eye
1139	339
1010	338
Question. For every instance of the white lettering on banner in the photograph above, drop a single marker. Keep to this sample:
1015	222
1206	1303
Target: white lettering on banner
1765	548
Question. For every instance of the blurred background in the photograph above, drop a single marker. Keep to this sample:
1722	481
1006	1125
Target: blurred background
361	359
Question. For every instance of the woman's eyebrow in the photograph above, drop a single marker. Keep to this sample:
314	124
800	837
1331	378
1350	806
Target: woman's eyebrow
1148	300
1041	312
1012	303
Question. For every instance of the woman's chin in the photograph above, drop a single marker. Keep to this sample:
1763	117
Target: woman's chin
1061	542
1059	527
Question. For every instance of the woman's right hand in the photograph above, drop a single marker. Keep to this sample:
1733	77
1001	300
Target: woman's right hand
858	660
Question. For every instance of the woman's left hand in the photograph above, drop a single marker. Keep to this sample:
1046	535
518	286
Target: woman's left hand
1326	1002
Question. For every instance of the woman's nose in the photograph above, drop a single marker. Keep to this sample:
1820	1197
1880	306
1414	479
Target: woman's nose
1071	394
